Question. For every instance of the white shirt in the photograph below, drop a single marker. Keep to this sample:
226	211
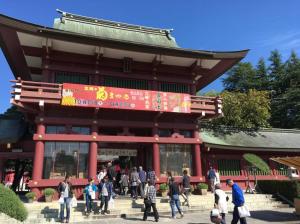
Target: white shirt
104	190
66	191
101	175
222	204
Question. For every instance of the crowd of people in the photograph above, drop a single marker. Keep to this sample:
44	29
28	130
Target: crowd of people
139	183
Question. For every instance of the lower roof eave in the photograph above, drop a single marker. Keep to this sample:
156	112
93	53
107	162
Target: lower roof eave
243	148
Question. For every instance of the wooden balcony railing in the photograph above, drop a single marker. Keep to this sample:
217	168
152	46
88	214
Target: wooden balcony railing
206	106
36	92
41	93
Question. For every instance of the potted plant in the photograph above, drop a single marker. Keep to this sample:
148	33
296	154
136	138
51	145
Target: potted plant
30	196
202	188
48	193
163	188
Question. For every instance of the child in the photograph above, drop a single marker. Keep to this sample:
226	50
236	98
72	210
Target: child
90	195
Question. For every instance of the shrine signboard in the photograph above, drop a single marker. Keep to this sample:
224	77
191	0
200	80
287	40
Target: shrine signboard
121	98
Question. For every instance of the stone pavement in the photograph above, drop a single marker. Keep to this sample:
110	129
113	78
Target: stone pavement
278	216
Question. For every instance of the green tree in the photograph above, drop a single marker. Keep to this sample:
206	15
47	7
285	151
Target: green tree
261	77
285	105
240	78
245	110
276	72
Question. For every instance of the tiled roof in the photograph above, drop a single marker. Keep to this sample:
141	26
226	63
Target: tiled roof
114	30
263	139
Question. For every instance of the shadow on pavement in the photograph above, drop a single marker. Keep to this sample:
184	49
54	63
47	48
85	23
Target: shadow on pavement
274	216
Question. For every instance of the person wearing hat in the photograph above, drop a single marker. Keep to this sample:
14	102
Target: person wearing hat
238	201
90	195
221	202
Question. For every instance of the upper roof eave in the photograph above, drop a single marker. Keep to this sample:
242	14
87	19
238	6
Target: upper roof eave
20	25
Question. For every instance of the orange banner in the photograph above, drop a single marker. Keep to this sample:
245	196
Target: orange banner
121	98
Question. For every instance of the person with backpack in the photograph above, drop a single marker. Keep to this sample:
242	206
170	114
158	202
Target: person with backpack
150	201
211	175
90	195
66	194
105	194
174	197
186	187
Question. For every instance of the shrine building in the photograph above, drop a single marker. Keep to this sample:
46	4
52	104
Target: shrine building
94	91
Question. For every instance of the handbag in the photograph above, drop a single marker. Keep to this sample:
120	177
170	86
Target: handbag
244	211
215	212
74	202
93	195
61	199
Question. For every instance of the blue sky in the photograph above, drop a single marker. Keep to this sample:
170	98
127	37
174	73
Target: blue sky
260	26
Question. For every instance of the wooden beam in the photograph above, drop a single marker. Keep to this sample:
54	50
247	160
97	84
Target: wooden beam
114	138
116	123
12	50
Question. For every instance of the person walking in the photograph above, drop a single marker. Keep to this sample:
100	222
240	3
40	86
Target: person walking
105	193
101	174
211	175
66	194
151	176
150	201
143	179
221	202
174	197
134	182
90	195
238	201
124	182
186	187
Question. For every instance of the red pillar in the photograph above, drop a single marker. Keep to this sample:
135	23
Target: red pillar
93	155
197	157
156	159
156	154
38	161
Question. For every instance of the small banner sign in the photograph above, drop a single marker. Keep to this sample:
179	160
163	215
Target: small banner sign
121	98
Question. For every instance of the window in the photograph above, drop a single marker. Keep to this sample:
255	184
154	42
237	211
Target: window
64	77
186	133
125	83
175	158
164	132
230	167
55	129
173	87
63	158
80	130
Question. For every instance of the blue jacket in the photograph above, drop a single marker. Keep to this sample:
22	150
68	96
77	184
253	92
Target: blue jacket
86	189
237	195
109	188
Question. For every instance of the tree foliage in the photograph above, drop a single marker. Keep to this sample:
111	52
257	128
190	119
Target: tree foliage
280	79
257	162
248	110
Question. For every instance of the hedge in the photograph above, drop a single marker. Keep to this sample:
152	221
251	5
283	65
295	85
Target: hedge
11	205
287	188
